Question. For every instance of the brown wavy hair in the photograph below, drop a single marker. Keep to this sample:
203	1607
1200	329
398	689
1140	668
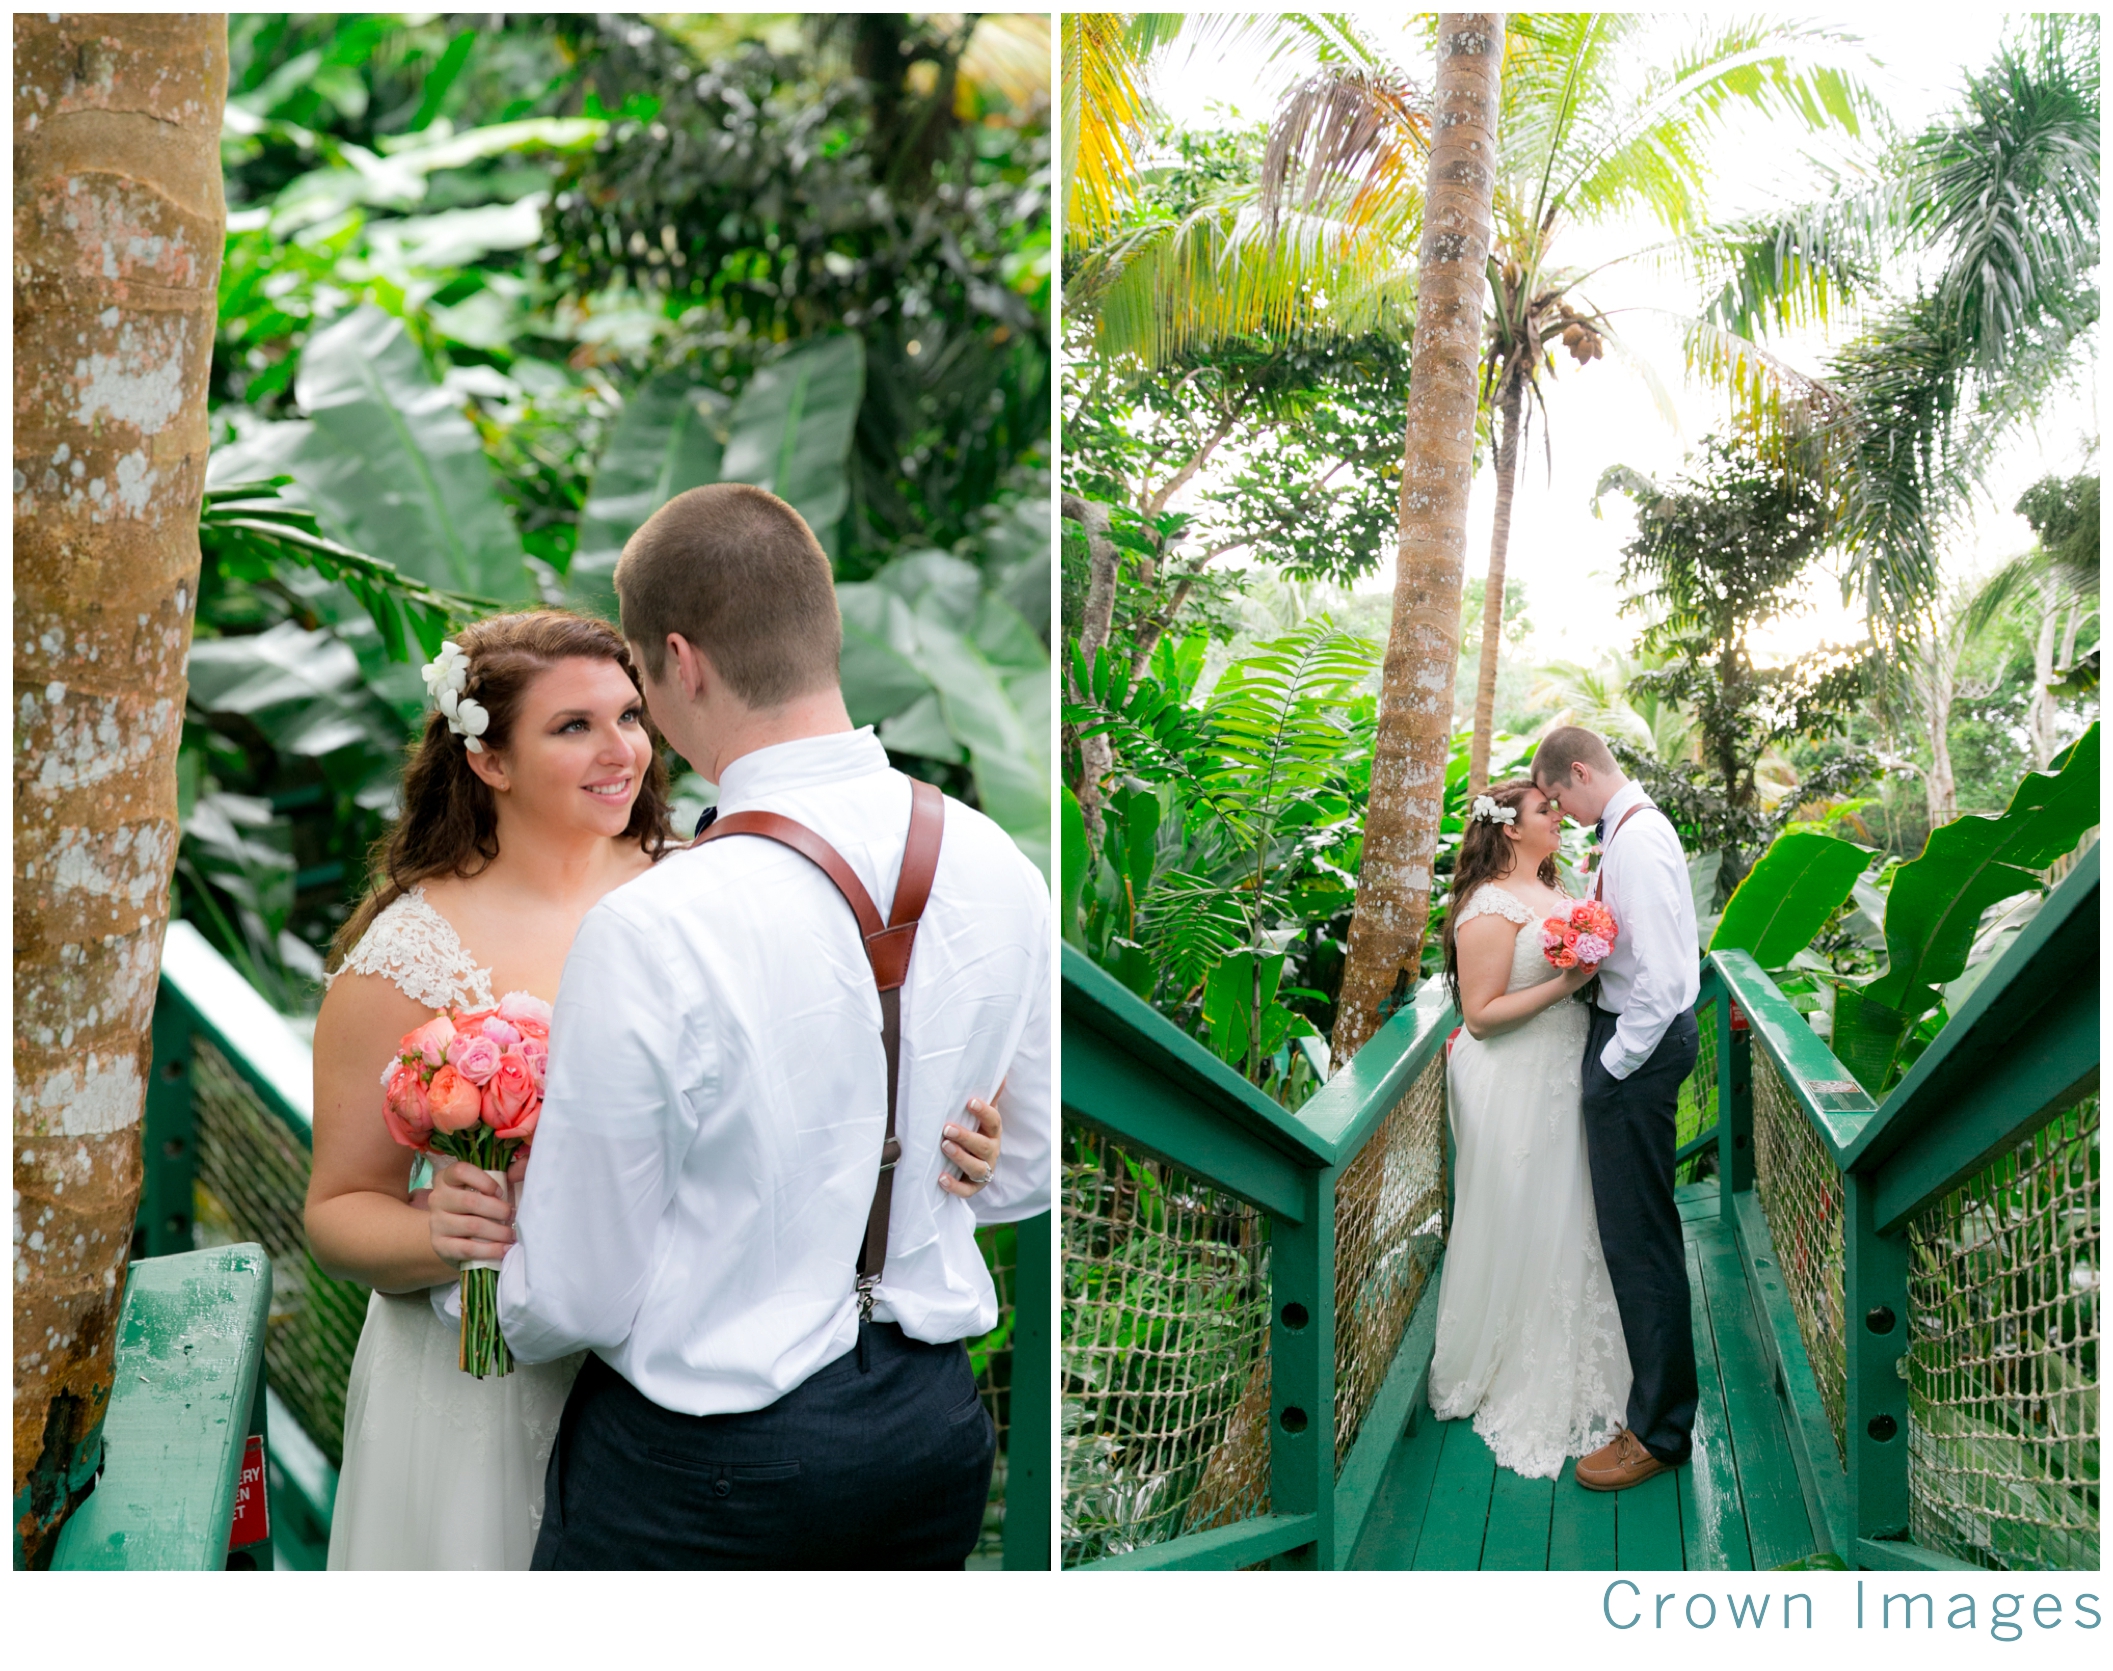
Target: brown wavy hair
1486	855
450	822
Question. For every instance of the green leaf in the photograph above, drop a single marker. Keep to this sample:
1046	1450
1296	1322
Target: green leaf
1077	858
1867	1036
879	679
791	430
1971	863
1787	898
665	443
392	465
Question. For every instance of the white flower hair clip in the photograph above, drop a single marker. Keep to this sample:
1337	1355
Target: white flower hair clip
1487	810
446	676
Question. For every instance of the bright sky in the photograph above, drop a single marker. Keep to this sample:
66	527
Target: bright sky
1605	413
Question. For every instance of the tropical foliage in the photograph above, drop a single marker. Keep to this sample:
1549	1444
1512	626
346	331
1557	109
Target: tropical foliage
496	289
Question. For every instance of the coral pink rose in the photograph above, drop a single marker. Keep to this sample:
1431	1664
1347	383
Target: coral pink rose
500	1032
404	1108
509	1094
473	1056
454	1101
536	1053
430	1042
522	1129
527	1012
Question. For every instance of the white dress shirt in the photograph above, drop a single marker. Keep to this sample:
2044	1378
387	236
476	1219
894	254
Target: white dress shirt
711	1130
1652	974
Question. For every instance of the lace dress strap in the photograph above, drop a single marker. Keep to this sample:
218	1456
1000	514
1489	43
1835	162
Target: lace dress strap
417	948
1492	901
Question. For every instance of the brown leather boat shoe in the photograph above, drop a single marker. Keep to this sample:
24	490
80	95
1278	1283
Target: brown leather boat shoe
1619	1464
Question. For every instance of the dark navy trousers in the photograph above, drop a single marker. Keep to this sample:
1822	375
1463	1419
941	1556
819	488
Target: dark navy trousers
881	1468
1631	1128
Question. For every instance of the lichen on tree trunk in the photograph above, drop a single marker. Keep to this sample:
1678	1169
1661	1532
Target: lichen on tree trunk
119	226
1423	643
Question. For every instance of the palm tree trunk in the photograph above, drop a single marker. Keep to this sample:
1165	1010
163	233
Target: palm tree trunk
1097	757
1438	457
119	224
1509	411
2044	710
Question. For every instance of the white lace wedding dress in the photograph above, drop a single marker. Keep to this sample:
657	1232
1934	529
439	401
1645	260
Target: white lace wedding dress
1529	1340
442	1471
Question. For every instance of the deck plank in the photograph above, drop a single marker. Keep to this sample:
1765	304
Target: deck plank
1519	1514
1395	1521
1712	1518
1647	1525
1697	1201
1777	1526
1459	1511
1581	1528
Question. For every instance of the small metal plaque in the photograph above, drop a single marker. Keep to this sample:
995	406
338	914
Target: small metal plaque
1834	1087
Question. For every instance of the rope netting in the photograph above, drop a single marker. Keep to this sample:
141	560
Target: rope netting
1389	1229
251	1184
2003	1357
1801	1194
1698	1099
1165	1353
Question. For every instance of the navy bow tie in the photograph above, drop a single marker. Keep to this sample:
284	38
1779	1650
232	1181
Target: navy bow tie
704	822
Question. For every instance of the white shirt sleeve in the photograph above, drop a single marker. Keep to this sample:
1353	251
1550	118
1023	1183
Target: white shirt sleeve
626	1056
1025	1103
1657	916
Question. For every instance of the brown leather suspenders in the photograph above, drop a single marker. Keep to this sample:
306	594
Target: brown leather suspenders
887	949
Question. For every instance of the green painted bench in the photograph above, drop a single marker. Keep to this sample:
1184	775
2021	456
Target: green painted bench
187	1394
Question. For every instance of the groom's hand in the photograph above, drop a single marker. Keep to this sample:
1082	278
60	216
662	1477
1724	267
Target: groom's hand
972	1148
470	1215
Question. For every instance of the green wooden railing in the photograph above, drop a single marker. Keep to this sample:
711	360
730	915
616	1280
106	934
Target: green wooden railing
228	1134
1925	1271
1928	1267
1310	1234
186	1397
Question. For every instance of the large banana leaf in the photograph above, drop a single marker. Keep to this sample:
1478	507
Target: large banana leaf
665	443
1787	898
791	430
389	463
1968	865
1936	906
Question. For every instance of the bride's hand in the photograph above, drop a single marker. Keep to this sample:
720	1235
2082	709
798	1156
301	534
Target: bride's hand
1577	978
469	1214
973	1149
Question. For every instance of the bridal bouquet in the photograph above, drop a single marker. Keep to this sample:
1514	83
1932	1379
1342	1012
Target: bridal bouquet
1582	935
469	1084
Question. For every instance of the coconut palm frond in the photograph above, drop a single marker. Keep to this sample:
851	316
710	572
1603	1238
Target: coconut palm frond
1354	134
1106	112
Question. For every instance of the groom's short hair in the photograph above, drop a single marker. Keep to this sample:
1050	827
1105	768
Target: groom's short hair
737	572
1567	746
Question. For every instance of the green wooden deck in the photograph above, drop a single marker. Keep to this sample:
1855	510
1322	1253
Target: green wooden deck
1736	1506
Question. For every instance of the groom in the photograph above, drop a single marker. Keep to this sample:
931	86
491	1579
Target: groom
1640	1047
710	1174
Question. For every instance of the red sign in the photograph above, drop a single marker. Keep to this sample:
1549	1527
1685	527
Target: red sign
252	1510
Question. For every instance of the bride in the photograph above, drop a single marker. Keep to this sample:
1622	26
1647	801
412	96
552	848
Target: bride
535	794
1529	1340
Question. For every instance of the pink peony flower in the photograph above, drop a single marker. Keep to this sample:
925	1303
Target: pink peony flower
430	1042
1591	948
501	1033
536	1053
510	1093
527	1012
455	1103
473	1056
405	1110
